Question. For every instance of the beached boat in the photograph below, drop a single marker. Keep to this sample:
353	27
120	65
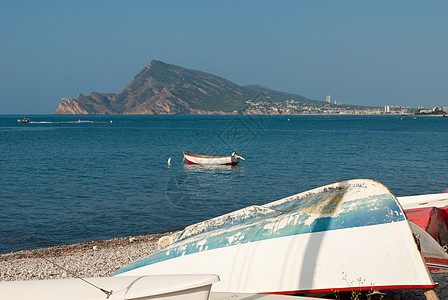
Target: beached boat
23	120
342	236
165	287
430	212
435	256
199	159
420	201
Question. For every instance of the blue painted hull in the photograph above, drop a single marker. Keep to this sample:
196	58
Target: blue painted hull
346	210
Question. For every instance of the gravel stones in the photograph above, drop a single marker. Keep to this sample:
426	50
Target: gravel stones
92	259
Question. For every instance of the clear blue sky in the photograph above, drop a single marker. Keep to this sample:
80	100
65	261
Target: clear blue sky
359	52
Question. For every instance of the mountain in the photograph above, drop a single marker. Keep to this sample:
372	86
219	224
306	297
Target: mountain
161	88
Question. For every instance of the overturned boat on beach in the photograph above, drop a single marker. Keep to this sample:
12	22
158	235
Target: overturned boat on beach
340	237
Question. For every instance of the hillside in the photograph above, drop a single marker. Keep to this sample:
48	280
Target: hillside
161	88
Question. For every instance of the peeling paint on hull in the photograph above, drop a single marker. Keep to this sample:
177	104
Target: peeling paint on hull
307	221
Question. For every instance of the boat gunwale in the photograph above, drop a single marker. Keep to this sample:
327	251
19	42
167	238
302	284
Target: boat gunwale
204	156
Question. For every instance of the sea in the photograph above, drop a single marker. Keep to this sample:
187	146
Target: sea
71	179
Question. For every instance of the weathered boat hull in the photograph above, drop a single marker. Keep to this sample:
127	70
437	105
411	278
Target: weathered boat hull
171	287
347	235
420	201
435	256
430	212
210	160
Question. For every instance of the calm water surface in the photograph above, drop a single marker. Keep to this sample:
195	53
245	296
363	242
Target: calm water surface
64	181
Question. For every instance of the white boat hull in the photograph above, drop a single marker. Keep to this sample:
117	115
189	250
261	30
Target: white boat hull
315	242
211	160
173	287
246	296
420	201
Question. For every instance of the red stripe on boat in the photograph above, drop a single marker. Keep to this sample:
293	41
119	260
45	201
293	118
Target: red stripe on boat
350	289
189	162
435	264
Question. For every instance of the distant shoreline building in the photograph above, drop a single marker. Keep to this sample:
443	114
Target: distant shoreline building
328	99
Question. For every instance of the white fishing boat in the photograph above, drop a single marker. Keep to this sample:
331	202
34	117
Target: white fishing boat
199	159
152	287
346	235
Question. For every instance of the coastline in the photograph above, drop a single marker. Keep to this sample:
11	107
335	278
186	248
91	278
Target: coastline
103	257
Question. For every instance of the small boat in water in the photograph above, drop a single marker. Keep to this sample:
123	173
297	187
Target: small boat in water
24	120
199	159
352	234
164	287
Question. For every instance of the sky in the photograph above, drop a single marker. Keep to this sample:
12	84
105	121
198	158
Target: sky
360	52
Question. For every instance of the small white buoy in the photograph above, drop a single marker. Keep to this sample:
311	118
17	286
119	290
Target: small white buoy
169	161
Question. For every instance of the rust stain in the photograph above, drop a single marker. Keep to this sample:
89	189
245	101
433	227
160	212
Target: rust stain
325	202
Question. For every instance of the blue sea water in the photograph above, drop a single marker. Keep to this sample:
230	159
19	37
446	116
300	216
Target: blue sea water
64	181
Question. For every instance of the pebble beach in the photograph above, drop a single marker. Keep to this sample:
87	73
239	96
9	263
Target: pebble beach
91	259
102	258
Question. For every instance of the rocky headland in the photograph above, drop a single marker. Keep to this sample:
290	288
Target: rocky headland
161	88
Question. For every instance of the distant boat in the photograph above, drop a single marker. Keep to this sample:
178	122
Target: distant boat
24	120
319	241
199	159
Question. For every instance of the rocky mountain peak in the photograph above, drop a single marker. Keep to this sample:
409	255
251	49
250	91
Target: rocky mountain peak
162	88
